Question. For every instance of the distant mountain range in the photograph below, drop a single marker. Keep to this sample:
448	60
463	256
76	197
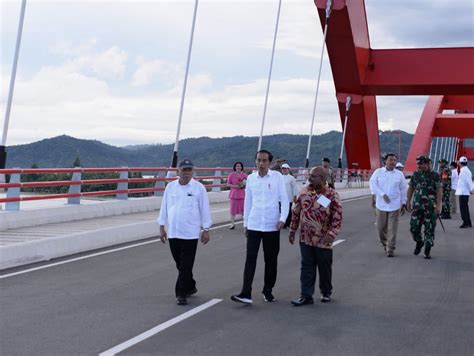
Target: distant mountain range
62	151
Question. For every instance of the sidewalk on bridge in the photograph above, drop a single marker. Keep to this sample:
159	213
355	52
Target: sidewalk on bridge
51	230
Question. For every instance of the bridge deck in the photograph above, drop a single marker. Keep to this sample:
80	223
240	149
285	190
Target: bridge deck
394	306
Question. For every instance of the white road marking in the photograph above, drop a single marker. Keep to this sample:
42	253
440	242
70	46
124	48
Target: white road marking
337	242
94	255
153	331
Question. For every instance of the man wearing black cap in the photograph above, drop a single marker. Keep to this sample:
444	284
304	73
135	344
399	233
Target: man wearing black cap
184	211
326	162
425	187
445	174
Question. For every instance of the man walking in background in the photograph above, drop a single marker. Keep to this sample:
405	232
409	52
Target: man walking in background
445	175
291	189
464	189
389	187
425	187
184	211
454	185
263	220
327	166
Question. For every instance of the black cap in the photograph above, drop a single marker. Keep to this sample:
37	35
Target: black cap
186	163
422	159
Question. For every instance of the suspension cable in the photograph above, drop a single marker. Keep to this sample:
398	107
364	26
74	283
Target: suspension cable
328	14
269	77
174	159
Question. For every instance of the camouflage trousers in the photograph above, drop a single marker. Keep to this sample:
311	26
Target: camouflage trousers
423	217
446	206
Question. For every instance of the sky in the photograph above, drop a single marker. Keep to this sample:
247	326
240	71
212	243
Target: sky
113	70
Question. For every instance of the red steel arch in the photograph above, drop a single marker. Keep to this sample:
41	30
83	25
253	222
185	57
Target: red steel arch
363	72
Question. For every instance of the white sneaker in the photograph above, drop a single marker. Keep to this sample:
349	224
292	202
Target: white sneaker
241	299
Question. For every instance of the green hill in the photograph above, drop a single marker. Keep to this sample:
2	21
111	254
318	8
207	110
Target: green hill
62	151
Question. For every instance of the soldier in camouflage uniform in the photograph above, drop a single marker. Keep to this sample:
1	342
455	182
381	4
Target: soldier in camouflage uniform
425	187
445	175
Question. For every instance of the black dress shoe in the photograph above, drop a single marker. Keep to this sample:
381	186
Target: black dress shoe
418	247
326	298
302	301
465	226
181	301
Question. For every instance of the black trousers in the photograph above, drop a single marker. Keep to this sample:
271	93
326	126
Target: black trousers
271	248
184	252
464	208
312	258
288	219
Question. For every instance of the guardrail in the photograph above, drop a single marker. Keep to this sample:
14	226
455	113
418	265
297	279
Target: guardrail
159	177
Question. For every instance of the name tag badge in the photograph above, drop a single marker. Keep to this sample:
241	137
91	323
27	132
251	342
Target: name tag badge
323	201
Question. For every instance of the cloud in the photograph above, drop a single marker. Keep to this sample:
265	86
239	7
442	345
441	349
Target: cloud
122	83
64	101
86	57
149	71
441	23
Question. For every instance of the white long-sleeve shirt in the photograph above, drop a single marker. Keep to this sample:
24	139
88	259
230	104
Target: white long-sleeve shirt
291	188
391	183
185	209
454	179
262	198
465	184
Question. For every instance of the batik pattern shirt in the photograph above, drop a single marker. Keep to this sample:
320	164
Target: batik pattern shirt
318	225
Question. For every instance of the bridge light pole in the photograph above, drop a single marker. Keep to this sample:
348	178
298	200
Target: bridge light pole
174	158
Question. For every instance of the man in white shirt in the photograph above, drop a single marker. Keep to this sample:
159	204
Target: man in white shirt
184	211
464	189
389	187
263	220
291	190
454	185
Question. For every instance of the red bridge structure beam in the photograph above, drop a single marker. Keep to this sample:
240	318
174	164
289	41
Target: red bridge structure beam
361	71
434	123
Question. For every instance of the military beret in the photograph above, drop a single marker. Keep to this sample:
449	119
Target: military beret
442	160
422	159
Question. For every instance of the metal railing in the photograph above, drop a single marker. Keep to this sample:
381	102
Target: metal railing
214	179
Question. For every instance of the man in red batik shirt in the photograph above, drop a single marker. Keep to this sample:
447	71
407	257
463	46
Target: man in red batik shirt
318	214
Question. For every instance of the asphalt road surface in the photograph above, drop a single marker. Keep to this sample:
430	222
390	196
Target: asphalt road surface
381	306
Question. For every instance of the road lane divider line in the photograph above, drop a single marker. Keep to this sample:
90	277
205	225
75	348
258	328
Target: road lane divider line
157	329
337	242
